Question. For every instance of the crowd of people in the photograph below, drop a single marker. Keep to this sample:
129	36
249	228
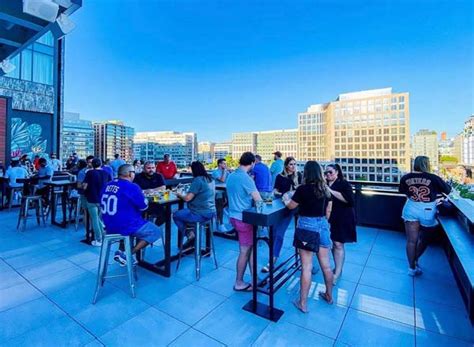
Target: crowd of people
321	201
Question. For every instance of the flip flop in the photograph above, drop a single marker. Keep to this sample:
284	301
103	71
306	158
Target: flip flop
265	269
248	288
323	296
297	305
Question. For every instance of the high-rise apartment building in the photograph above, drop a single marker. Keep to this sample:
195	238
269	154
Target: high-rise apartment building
266	143
458	147
154	145
468	141
367	132
113	137
77	136
425	142
222	150
206	151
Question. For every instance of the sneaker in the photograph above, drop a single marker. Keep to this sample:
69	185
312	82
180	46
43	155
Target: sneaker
135	260
96	243
188	244
120	258
418	269
413	272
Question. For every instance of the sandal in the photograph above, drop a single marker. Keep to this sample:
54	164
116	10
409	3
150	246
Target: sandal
248	288
324	296
296	303
266	269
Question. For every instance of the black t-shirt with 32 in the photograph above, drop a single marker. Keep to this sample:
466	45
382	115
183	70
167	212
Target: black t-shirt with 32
422	186
309	205
149	182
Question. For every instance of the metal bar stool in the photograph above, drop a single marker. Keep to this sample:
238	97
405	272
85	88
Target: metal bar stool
12	195
107	241
200	228
25	207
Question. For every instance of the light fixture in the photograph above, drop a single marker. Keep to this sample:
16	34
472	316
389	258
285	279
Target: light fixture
62	26
64	3
6	67
44	9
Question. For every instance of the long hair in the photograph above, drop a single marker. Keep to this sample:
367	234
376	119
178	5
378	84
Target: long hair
199	170
422	164
293	176
337	167
313	174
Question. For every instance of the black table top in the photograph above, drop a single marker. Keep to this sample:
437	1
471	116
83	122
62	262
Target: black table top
176	181
271	214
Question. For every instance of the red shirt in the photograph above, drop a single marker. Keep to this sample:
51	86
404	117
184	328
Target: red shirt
168	170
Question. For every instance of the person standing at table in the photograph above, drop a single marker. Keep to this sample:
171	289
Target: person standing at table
167	167
201	202
314	202
116	163
277	166
287	181
93	184
263	178
122	206
422	189
241	192
150	181
343	218
55	163
45	173
220	176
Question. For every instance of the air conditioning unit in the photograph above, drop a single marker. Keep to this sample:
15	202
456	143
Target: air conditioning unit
6	67
44	9
64	3
62	26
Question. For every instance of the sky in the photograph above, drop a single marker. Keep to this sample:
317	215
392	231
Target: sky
217	67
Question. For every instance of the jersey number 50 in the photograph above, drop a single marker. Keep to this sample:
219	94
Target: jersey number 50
108	204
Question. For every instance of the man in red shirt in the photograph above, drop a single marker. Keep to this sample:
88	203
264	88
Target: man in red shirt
167	167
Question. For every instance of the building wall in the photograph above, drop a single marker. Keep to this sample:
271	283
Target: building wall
285	141
425	143
3	129
221	150
243	142
77	136
468	142
113	137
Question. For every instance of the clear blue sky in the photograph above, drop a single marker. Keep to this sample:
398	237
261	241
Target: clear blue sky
217	67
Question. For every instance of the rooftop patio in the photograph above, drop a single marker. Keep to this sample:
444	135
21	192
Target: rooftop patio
47	280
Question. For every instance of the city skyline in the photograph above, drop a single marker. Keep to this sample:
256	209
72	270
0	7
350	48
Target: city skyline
263	63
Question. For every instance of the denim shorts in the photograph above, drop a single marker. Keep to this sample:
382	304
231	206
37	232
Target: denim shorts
423	212
319	225
149	232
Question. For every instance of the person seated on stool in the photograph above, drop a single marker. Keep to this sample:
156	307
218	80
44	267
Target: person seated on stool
122	205
149	181
200	199
13	172
45	173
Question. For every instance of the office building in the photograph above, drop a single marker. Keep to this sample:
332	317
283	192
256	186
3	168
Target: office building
206	151
222	150
458	147
154	145
425	142
31	80
468	142
77	136
113	137
243	142
367	132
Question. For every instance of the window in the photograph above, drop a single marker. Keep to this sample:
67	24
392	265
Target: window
42	68
26	64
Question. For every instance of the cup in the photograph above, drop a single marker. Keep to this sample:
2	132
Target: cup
166	195
156	198
259	206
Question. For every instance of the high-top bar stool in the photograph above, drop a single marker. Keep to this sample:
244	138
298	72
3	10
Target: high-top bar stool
12	195
26	201
200	228
107	241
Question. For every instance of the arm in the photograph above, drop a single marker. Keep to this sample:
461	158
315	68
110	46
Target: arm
256	196
328	209
290	204
337	195
188	197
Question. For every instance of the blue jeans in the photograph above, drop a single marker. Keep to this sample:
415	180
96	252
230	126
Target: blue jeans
184	216
279	231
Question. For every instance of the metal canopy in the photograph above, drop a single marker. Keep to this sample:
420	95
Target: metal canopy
18	29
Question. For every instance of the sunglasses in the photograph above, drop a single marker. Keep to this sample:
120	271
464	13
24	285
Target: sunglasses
291	164
328	172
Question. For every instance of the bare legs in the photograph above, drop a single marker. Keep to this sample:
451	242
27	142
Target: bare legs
325	264
412	230
338	253
245	257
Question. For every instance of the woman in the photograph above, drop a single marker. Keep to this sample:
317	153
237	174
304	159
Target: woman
342	220
422	190
287	181
201	201
137	166
314	201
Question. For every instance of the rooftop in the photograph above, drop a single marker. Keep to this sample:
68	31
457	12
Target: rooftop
47	280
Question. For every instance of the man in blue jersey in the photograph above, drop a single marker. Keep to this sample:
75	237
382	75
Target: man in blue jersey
122	205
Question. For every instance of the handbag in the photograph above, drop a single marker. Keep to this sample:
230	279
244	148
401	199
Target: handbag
308	240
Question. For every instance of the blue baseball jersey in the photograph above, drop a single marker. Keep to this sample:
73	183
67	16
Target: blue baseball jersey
122	204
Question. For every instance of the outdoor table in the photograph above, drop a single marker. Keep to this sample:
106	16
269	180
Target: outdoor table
173	182
269	216
163	267
64	197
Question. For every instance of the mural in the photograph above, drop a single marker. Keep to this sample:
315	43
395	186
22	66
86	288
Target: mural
27	139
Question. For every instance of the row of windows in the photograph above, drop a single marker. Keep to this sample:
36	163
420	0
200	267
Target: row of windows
372	146
359	103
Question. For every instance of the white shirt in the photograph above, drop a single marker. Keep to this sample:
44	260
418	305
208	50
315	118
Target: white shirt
55	164
16	172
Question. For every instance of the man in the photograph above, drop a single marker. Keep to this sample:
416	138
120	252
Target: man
55	163
94	183
220	176
116	163
36	164
122	206
277	166
148	180
263	178
167	167
241	192
45	173
107	168
13	172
